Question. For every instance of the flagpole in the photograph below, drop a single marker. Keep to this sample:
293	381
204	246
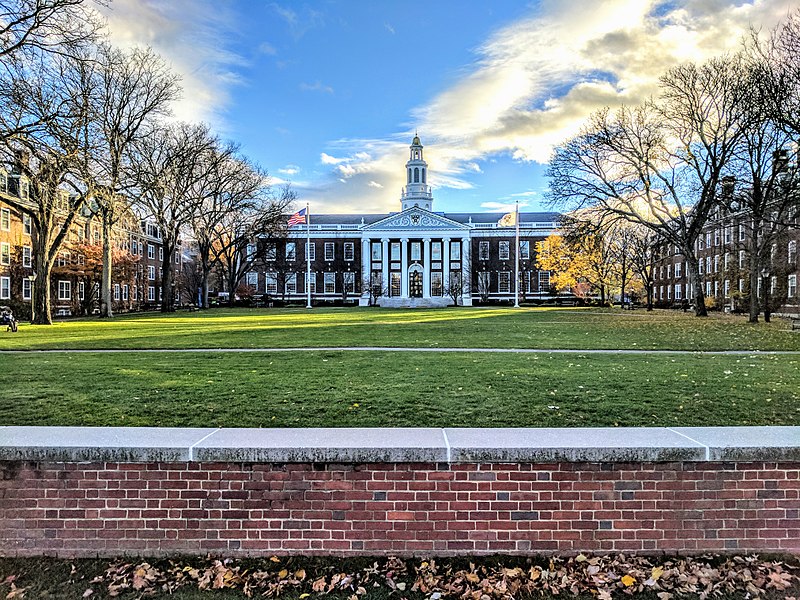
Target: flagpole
516	288
308	256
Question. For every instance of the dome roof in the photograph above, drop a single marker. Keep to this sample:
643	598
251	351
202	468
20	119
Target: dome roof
415	141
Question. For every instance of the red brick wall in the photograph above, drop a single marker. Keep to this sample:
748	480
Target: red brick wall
85	509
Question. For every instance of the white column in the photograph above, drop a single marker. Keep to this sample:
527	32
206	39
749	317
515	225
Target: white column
446	265
404	267
426	264
366	263
466	275
385	264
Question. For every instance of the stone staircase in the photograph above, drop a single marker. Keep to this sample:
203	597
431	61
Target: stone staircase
437	302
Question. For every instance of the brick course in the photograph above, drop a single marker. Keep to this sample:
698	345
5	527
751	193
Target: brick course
88	509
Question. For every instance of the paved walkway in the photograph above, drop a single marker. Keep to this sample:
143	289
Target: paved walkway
402	349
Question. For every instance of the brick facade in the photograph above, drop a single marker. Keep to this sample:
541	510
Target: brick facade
259	509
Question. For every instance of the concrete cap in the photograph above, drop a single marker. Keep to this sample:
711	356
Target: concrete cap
426	445
746	443
93	444
617	444
346	445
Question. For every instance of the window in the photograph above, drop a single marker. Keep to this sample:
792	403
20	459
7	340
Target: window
791	252
135	290
5	219
311	282
669	271
708	240
377	251
24	189
792	286
394	290
726	261
716	263
151	272
5	288
161	254
395	251
151	251
700	245
700	267
708	264
741	232
726	288
134	246
329	250
716	237
5	253
272	283
81	291
63	259
151	293
416	251
177	257
773	283
436	251
525	250
250	252
329	280
291	283
349	281
716	288
741	286
27	224
503	250
116	292
311	250
678	269
65	290
349	251
436	284
504	282
741	259
483	250
455	250
773	250
125	292
291	251
26	289
669	292
678	291
544	281
728	234
252	279
708	288
270	251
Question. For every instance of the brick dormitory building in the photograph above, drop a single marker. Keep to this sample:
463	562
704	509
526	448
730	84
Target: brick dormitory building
76	271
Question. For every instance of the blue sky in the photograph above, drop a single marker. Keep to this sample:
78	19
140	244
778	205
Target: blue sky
327	95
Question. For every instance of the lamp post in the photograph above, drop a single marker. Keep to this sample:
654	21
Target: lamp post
765	285
32	278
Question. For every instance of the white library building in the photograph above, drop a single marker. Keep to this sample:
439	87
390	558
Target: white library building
414	257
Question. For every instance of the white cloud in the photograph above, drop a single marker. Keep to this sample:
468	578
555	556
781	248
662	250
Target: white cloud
317	86
289	170
327	159
192	36
534	82
503	206
374	184
389	28
267	48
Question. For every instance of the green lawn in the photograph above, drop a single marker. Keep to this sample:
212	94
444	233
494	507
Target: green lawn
371	389
569	328
335	388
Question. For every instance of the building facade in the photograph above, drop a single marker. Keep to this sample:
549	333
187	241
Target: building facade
413	257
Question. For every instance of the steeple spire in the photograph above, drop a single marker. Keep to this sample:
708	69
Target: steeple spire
417	191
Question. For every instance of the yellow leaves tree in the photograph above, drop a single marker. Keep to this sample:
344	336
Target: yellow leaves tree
579	263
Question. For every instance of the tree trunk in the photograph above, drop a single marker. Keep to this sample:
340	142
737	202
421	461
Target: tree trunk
602	295
105	280
42	310
765	294
167	275
694	276
754	277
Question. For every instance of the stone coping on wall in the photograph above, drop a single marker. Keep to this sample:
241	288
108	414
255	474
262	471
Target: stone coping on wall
395	445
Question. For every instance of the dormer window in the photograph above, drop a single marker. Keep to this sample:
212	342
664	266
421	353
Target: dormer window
24	189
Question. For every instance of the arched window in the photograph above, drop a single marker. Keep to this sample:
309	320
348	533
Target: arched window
409	176
416	174
423	175
416	154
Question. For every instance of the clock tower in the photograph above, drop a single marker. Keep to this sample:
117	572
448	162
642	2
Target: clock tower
417	192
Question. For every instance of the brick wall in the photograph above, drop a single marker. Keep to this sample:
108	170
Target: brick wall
85	509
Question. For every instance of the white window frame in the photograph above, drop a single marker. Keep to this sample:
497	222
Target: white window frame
64	290
151	273
349	251
81	291
5	253
311	250
291	251
27	288
27	225
330	251
5	288
483	250
791	286
161	254
524	250
271	283
291	283
503	250
151	293
116	292
329	282
5	219
124	292
504	282
151	251
349	282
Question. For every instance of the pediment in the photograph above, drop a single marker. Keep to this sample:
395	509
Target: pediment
413	219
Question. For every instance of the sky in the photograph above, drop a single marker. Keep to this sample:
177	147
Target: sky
327	95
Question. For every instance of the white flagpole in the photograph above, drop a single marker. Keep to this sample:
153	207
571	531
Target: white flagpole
516	289
308	256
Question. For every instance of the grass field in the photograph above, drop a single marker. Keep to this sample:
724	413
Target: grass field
376	388
570	328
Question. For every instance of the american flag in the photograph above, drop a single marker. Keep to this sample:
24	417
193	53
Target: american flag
298	218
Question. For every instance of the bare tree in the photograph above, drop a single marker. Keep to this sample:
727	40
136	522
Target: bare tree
169	165
56	93
241	236
132	89
659	164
